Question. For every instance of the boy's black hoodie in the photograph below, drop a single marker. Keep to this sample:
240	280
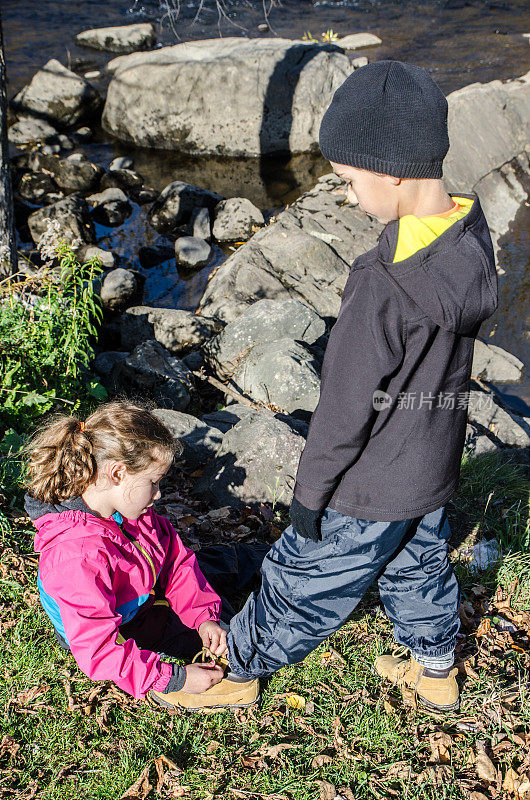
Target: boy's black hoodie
407	329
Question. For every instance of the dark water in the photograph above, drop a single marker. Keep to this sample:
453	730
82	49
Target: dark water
457	41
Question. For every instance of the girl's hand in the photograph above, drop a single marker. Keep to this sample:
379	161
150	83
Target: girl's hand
213	637
200	677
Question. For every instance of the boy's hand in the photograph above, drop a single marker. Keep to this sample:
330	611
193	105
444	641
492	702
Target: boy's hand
305	521
200	677
213	637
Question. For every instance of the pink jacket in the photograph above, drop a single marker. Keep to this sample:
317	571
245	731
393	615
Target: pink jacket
92	578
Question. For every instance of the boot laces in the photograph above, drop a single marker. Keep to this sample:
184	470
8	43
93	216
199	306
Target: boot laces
205	655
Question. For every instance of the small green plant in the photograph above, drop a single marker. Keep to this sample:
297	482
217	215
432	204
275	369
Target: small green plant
47	324
276	494
308	37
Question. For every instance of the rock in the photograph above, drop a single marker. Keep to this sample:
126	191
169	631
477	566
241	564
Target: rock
58	95
283	374
194	360
83	134
122	162
200	225
111	206
177	203
500	110
200	441
152	370
29	131
106	258
361	61
144	195
152	255
37	187
106	362
179	331
120	39
73	217
478	443
74	173
192	252
256	463
508	428
277	263
119	289
126	179
492	363
243	97
357	40
236	219
225	418
265	321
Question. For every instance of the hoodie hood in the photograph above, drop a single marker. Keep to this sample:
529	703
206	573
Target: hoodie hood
54	521
456	286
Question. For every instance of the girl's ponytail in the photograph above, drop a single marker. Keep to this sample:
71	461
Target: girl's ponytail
60	461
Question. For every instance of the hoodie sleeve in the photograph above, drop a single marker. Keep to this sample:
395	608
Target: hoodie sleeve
365	347
186	589
88	611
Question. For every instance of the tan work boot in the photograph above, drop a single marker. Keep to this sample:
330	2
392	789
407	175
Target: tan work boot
435	692
230	693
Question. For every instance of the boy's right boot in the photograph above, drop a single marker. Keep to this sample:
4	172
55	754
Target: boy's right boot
230	693
436	690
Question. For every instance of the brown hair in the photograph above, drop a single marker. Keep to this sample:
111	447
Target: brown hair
63	456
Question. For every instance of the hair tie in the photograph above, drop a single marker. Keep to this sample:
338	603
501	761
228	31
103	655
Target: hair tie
82	426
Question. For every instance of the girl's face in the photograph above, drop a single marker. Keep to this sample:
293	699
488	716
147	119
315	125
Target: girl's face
133	494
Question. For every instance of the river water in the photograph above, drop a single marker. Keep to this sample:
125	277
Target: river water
457	41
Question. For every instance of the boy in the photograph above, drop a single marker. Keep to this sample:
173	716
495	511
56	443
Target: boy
385	442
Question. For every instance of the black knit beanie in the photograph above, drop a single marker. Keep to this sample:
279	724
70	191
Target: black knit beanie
387	117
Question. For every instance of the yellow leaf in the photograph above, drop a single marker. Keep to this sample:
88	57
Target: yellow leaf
295	701
510	783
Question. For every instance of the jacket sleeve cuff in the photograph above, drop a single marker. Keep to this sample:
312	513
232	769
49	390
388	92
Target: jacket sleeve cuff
166	673
313	499
177	680
208	615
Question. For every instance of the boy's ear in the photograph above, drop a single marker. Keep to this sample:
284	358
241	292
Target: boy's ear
391	179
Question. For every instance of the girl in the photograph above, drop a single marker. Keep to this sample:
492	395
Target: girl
107	559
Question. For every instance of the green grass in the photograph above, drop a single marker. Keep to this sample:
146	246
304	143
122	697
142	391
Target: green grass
378	746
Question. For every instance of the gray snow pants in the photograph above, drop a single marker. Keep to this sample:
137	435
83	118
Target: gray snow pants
309	589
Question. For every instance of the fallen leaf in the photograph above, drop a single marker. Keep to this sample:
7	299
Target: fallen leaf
275	750
295	701
401	771
440	744
327	790
478	796
321	760
484	628
511	782
484	765
219	513
9	745
140	788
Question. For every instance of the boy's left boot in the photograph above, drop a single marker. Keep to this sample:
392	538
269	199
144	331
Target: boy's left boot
230	693
436	690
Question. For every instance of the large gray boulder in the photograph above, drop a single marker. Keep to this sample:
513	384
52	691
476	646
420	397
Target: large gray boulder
230	96
282	374
492	363
150	369
57	95
120	38
176	204
279	262
265	321
508	428
39	187
73	217
256	463
178	331
236	219
200	442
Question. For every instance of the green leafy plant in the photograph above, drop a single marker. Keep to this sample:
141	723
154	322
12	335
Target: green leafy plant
308	37
329	36
47	325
